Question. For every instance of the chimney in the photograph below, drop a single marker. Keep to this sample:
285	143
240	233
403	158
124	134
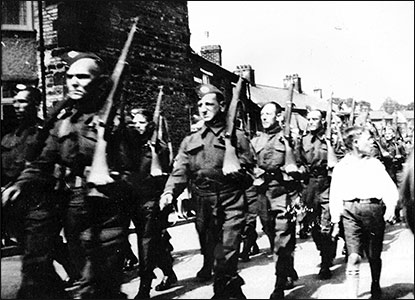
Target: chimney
247	73
293	79
297	83
287	81
212	53
318	93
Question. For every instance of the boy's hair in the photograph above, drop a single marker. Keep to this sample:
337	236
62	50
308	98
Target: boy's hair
352	133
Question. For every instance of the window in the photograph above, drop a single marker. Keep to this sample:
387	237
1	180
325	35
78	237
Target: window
16	15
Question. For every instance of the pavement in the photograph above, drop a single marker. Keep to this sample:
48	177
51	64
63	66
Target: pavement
397	279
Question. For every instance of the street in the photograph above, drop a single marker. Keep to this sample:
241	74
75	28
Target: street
397	279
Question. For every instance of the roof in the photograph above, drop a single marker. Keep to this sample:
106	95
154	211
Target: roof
403	116
261	94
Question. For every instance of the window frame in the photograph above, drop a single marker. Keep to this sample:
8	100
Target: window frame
29	20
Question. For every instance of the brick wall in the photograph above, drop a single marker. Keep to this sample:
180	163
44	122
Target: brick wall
159	54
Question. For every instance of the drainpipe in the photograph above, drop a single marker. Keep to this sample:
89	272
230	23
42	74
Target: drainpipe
42	58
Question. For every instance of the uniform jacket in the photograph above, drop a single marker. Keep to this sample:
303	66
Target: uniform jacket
270	155
200	158
70	146
14	147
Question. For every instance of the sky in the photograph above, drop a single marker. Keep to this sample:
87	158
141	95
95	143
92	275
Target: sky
351	49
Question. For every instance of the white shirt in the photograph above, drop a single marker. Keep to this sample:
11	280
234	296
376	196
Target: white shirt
362	178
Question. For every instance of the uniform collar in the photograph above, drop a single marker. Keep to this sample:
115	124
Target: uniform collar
216	129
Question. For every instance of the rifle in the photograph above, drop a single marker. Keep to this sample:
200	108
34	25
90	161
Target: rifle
231	162
156	168
290	165
331	156
351	117
99	172
167	138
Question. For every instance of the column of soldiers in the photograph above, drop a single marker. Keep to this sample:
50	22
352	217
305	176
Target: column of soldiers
52	193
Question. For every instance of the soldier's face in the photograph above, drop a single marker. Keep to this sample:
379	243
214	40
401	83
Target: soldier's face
389	134
314	119
269	116
140	123
21	103
209	107
79	76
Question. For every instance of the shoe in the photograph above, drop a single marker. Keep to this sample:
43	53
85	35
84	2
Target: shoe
167	282
376	291
289	284
244	257
10	243
70	283
254	250
277	294
324	273
142	295
204	275
303	234
130	264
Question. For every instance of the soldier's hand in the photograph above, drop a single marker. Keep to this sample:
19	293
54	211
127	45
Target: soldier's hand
165	200
10	194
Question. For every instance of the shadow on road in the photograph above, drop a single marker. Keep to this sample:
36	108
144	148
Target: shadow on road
395	291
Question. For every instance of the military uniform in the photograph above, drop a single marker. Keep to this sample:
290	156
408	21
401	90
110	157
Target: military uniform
276	197
30	218
95	227
313	152
220	198
150	224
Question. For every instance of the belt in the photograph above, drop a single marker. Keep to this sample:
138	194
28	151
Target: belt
364	201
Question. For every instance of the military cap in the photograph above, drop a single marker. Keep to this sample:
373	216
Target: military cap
205	89
34	96
73	56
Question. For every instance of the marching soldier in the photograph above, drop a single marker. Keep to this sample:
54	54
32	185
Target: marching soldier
17	148
277	192
397	154
150	223
95	226
221	198
313	151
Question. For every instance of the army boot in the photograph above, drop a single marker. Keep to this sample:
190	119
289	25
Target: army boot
280	284
144	289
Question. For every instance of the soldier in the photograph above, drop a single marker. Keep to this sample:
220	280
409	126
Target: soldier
393	161
249	236
150	223
313	151
17	147
99	222
14	148
407	191
396	154
221	197
276	191
365	196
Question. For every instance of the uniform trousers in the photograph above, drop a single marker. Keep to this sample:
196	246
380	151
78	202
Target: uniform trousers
278	219
105	242
41	217
220	219
316	196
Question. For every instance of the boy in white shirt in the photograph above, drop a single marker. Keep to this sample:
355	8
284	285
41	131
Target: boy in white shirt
365	196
